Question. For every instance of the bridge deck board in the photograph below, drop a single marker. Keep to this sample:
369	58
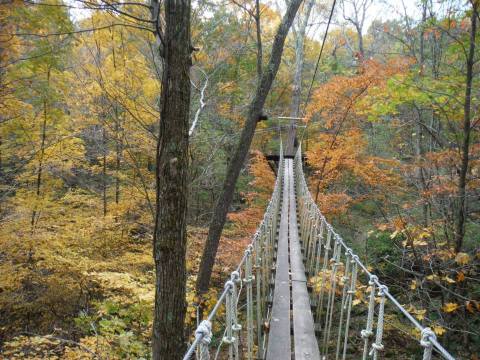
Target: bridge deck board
304	341
279	344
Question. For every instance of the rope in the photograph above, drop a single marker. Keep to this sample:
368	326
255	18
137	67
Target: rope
261	250
428	341
335	262
324	275
248	281
367	332
351	292
345	279
427	335
256	266
204	331
377	346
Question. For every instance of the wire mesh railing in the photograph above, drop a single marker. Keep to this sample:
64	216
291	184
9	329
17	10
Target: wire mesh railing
245	295
337	270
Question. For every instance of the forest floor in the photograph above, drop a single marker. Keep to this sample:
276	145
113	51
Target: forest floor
115	321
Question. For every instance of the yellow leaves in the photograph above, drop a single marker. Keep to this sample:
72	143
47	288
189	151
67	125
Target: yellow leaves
460	276
424	234
438	330
418	313
118	281
462	258
356	302
448	280
394	234
413	285
228	87
450	307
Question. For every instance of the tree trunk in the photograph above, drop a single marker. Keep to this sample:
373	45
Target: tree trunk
462	181
297	77
42	153
118	154
236	163
361	50
104	170
169	244
419	149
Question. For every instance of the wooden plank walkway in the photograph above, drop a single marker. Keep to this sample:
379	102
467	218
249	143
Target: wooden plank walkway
279	344
289	248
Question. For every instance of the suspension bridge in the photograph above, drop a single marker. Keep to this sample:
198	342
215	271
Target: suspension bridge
268	309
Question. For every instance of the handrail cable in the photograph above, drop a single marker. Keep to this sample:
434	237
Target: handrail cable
427	334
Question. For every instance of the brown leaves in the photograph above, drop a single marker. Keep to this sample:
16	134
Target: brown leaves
462	258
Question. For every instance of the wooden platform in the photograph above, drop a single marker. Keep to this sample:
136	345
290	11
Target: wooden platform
290	270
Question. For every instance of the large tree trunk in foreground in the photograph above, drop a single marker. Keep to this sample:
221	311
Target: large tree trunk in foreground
462	182
236	163
171	175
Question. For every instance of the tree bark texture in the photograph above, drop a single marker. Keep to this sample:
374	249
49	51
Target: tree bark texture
169	244
237	161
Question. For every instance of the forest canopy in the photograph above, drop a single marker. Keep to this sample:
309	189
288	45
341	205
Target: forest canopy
387	116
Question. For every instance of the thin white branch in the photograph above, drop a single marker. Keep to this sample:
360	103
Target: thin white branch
202	102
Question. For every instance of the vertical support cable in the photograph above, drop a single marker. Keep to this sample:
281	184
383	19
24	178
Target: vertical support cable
367	332
335	262
236	327
345	279
258	299
313	245
377	346
248	281
351	294
324	276
228	338
317	248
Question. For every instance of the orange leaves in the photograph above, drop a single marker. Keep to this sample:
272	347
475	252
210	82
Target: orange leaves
264	178
334	204
340	99
472	306
263	183
340	155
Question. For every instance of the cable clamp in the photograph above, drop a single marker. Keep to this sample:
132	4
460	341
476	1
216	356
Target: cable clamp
229	284
366	334
427	336
235	276
373	279
204	331
228	340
